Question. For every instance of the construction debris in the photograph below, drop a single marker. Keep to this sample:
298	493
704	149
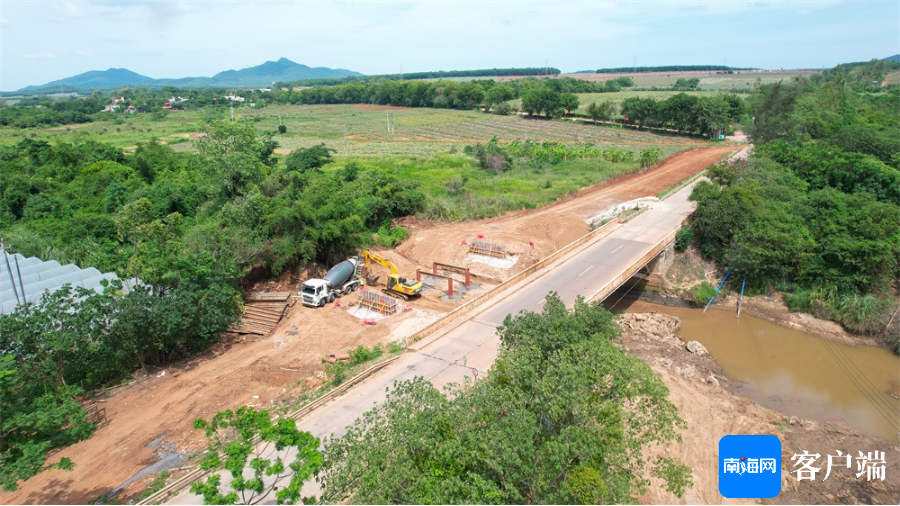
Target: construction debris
262	312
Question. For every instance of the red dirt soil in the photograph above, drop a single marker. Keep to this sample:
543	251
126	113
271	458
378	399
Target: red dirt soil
271	370
380	107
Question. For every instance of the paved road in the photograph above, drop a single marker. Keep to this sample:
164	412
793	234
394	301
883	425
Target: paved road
450	356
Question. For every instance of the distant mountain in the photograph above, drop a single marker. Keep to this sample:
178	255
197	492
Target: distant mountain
95	79
281	70
252	77
895	58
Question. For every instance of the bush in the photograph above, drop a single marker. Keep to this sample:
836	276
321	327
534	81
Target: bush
491	157
503	109
702	293
683	238
282	129
388	237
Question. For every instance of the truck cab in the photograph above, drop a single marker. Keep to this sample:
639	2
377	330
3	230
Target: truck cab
316	292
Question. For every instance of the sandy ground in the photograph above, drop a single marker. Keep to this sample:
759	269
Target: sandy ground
274	369
710	405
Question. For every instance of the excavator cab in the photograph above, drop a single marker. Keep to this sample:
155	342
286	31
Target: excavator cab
396	284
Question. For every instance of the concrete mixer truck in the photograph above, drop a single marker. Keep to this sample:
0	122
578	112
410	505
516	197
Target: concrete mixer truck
341	279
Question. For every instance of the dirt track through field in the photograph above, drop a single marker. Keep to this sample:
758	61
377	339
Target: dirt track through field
262	371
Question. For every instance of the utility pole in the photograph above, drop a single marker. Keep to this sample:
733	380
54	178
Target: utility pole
390	122
634	68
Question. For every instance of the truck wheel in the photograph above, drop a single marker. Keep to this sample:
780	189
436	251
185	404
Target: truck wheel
354	287
331	298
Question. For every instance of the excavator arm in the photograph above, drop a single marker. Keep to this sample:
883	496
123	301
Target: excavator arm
375	257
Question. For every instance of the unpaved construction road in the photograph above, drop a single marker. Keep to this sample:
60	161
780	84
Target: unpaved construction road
268	370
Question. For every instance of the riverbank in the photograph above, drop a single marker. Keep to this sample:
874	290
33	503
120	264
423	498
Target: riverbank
689	268
713	406
772	309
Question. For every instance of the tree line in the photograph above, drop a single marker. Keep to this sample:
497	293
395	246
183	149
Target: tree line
816	210
669	68
439	94
685	113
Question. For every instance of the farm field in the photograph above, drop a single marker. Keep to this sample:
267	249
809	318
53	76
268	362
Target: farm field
708	80
354	130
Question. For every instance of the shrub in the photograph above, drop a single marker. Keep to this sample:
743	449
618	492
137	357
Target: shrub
503	109
683	238
702	293
388	237
282	129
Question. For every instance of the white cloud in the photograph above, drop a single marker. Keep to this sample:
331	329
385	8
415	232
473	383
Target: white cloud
39	56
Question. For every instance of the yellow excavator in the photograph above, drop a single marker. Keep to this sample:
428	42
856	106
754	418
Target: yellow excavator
396	284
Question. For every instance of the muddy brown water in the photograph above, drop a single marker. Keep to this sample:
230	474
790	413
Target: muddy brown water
796	373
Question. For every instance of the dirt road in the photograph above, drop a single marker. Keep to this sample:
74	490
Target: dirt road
272	369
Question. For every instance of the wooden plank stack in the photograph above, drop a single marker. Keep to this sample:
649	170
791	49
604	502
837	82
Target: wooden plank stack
262	311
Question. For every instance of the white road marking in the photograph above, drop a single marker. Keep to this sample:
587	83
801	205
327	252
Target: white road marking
589	268
542	301
617	249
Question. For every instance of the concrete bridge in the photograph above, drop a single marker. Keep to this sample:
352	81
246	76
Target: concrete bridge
467	343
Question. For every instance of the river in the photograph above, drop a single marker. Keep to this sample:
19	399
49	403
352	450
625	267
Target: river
796	373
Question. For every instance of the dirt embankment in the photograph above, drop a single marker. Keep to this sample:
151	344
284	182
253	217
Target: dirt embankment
689	269
712	408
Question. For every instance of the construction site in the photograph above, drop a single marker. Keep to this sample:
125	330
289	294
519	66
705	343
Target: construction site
275	355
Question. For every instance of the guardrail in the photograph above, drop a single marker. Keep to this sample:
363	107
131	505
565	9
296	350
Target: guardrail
454	315
632	269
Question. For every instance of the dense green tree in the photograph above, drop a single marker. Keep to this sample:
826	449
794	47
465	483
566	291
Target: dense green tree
543	101
35	421
234	156
773	118
497	94
277	456
313	158
601	111
564	417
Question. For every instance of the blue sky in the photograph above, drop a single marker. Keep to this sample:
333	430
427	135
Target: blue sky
41	41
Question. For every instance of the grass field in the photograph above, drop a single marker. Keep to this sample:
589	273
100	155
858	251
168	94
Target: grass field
456	189
355	130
